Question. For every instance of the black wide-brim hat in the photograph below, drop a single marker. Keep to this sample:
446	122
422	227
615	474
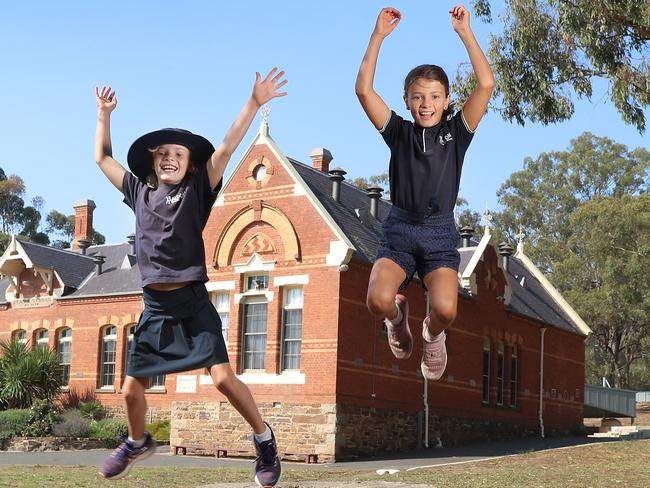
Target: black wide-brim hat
139	157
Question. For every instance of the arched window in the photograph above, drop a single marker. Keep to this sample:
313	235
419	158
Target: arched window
64	351
42	339
108	357
486	370
20	336
222	305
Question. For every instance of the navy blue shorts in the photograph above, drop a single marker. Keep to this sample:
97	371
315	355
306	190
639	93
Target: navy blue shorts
179	330
419	243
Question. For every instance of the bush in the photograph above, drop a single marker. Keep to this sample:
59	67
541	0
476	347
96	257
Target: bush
42	417
92	410
12	423
27	374
74	424
159	430
109	430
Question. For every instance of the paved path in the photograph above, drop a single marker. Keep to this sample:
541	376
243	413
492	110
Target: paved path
411	460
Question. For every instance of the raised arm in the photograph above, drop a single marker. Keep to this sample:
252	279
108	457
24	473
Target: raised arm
372	104
263	91
477	102
106	103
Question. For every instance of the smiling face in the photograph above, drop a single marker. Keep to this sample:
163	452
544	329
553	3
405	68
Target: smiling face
171	163
427	100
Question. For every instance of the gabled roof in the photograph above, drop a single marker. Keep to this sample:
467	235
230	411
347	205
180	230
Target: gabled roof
531	296
72	267
120	274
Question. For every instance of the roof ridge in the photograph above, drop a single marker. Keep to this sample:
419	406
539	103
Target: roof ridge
51	248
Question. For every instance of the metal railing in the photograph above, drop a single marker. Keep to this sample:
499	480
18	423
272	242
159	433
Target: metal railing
611	401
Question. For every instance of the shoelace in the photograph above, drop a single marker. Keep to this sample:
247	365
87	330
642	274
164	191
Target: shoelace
124	451
266	453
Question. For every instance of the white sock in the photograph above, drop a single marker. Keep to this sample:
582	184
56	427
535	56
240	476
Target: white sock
264	436
137	444
429	337
399	318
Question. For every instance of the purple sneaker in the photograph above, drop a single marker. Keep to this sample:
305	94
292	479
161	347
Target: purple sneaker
267	464
118	464
434	354
400	338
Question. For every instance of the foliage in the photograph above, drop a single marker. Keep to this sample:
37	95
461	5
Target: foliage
159	429
93	410
381	181
551	51
585	216
43	415
27	375
539	198
73	424
605	276
12	423
109	430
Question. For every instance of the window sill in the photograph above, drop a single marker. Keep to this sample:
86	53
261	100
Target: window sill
156	390
105	390
261	378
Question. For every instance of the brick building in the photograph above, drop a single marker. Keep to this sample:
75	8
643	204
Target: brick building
289	248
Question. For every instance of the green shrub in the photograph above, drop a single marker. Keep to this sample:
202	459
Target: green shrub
42	417
74	424
92	410
159	430
109	430
12	423
27	374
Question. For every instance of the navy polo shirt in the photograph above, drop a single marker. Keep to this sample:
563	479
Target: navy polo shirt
169	224
425	163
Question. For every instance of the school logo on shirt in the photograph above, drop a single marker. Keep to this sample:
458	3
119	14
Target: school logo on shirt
446	139
176	198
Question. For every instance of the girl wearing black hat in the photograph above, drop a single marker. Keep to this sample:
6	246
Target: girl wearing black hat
174	181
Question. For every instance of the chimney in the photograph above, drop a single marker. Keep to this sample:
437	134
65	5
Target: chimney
321	159
131	240
374	192
505	250
337	175
83	222
466	233
99	261
83	244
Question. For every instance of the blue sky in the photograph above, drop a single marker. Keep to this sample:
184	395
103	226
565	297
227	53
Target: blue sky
192	64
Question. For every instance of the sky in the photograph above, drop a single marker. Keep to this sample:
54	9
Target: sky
192	65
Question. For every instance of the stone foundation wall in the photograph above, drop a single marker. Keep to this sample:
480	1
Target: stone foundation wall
41	444
365	431
456	431
152	414
299	429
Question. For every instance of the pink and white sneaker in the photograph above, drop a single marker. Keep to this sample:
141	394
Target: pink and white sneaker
400	338
434	354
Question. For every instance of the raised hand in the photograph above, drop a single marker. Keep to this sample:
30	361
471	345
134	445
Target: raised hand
459	19
267	89
106	99
387	20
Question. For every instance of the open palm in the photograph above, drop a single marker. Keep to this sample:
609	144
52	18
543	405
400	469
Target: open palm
266	89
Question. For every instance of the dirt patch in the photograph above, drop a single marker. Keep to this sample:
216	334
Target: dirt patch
642	417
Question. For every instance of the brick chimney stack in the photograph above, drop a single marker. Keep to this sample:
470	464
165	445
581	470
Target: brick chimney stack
321	159
83	222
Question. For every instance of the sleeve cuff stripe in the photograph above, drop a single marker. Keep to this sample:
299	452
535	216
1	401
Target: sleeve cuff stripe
462	116
383	127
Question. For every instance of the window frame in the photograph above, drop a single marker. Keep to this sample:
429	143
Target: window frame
254	300
103	364
64	368
286	307
487	358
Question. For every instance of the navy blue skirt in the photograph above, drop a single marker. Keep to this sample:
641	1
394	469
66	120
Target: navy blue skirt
179	330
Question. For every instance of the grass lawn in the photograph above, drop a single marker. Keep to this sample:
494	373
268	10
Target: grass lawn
624	464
